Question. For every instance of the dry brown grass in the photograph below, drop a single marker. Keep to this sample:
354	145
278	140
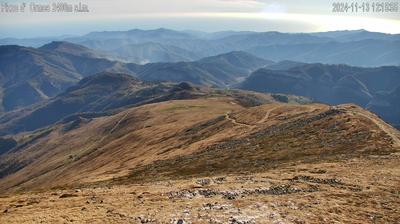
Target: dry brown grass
352	191
109	147
278	163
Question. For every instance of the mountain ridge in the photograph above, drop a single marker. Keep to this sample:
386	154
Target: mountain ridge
348	46
205	134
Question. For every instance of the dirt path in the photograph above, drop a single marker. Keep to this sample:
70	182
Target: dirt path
96	143
114	128
118	123
227	116
396	140
267	115
234	121
384	127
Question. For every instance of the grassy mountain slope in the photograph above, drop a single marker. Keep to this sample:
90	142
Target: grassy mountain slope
186	138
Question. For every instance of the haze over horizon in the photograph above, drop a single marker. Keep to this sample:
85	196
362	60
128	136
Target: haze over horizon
206	15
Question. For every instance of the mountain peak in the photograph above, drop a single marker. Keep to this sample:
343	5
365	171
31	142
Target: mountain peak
69	48
109	79
235	57
12	48
54	45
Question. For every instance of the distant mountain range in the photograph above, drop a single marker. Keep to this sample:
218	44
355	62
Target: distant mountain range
152	52
354	47
387	105
52	68
29	75
220	71
356	35
373	88
366	53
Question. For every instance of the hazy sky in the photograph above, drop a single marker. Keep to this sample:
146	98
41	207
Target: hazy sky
206	15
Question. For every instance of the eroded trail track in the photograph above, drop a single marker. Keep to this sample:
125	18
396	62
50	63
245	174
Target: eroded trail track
118	123
262	120
383	127
114	127
234	121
